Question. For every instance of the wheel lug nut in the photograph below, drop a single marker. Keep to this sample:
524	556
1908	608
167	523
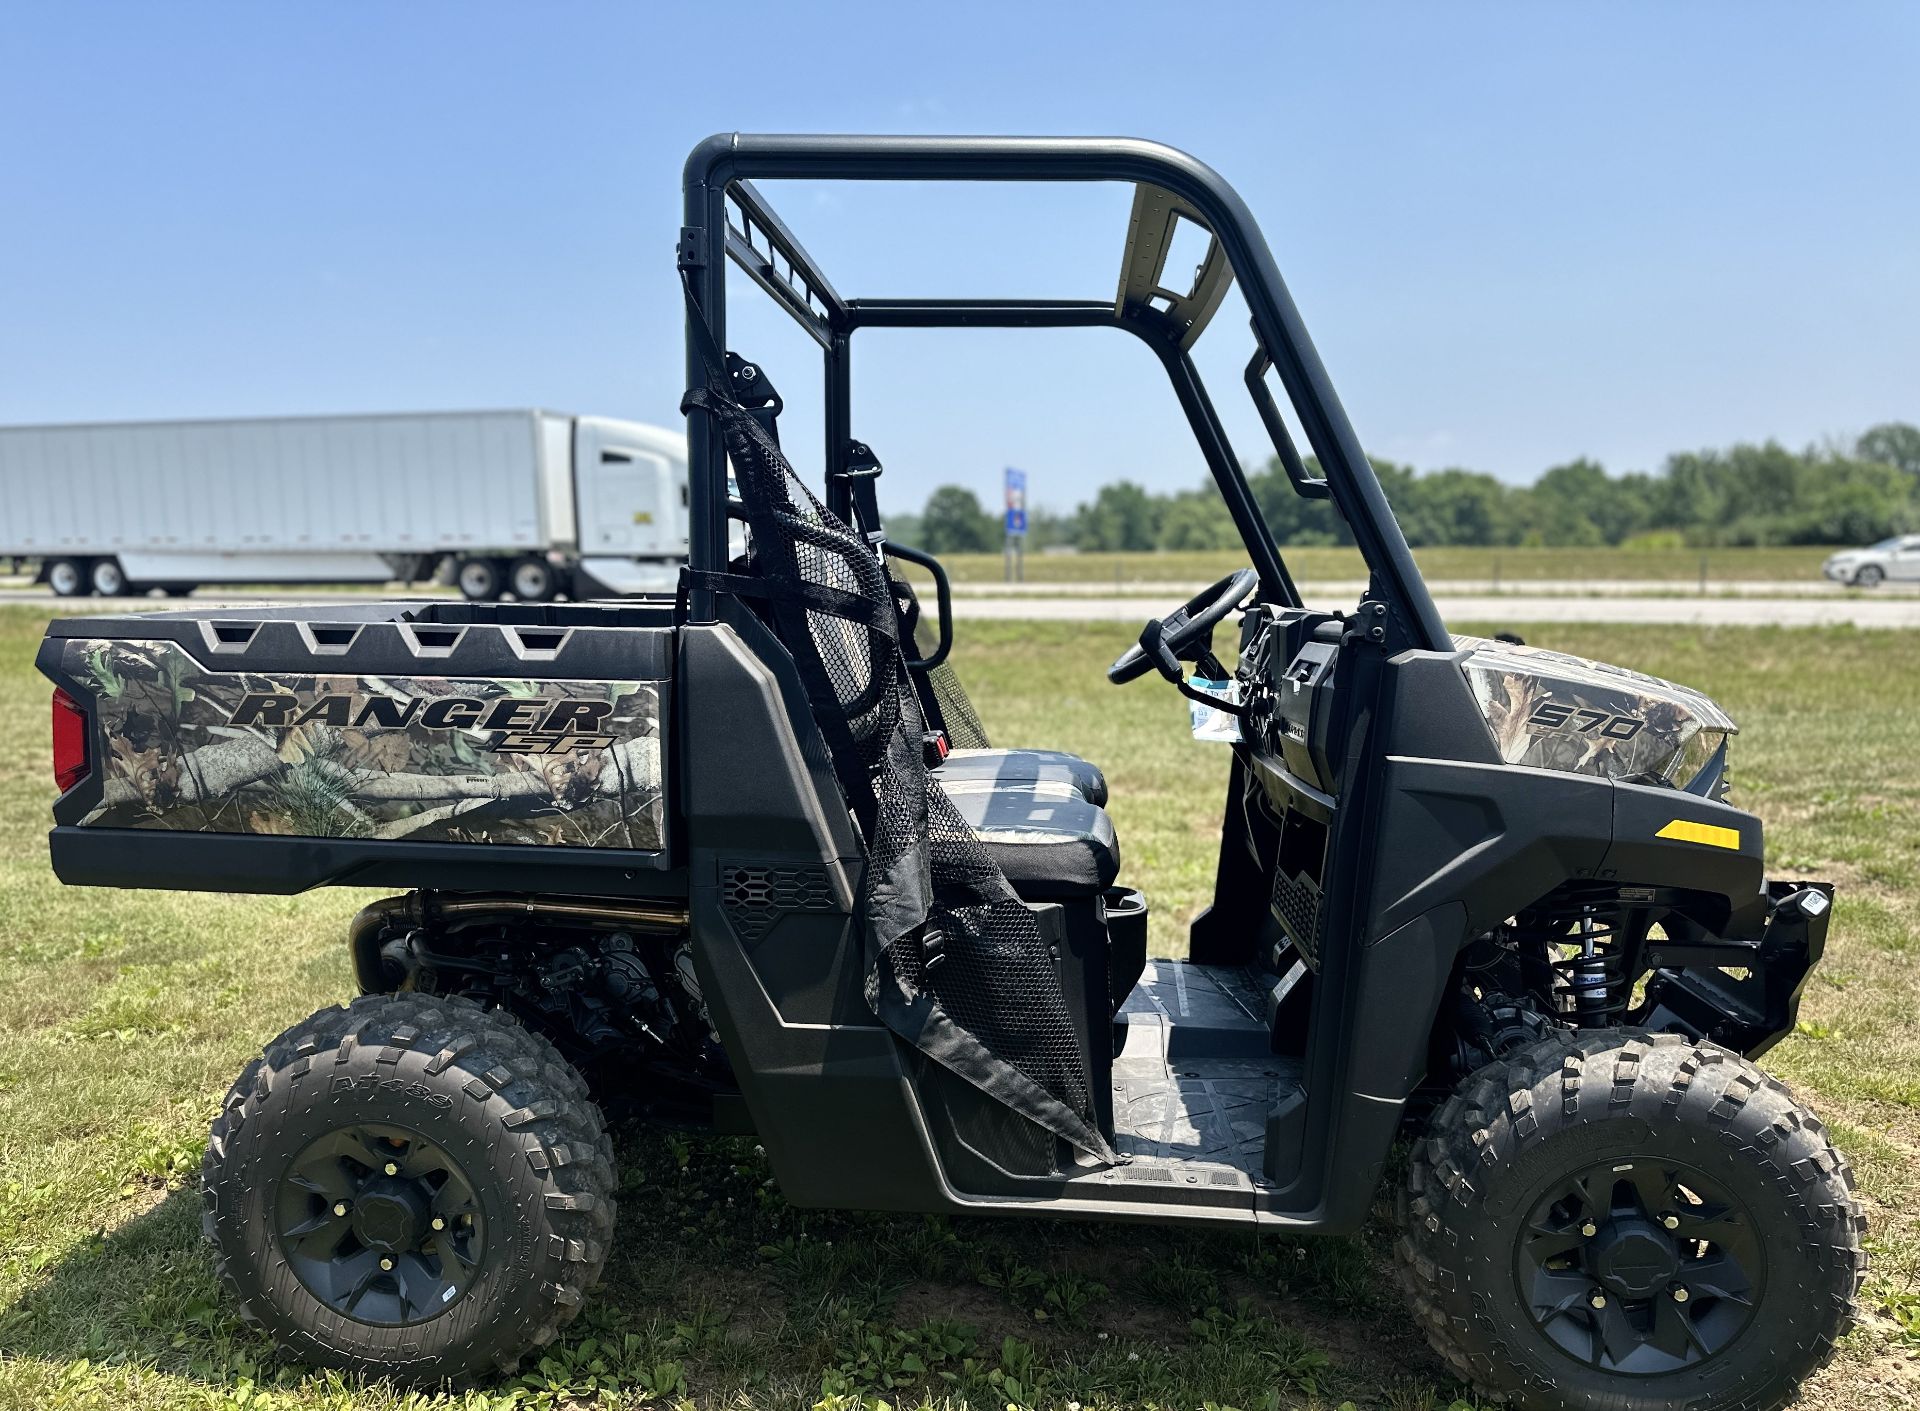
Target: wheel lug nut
385	1263
438	1223
1589	1229
392	1169
1672	1222
1599	1300
339	1207
1680	1295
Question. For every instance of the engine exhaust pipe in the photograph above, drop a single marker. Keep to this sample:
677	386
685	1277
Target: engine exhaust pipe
371	927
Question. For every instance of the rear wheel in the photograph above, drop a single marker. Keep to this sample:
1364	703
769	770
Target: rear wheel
1623	1219
66	578
479	579
532	579
109	579
409	1186
1869	576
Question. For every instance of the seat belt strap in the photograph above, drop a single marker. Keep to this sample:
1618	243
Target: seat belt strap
741	585
729	374
756	394
858	470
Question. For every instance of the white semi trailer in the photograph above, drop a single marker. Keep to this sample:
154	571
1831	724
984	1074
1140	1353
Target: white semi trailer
532	503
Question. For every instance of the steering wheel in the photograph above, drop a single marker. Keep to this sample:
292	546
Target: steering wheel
1166	641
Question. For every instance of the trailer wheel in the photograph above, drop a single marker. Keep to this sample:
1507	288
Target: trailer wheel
178	590
1630	1219
67	578
409	1186
109	579
479	579
532	579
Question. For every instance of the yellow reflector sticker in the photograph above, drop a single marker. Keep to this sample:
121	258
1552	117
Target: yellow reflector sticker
1711	834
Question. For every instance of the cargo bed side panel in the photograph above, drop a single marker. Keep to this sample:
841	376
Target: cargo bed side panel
380	746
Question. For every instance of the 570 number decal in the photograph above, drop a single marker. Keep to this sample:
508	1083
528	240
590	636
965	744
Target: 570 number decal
1550	715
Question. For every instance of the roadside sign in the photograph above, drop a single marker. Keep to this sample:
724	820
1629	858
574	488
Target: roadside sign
1016	501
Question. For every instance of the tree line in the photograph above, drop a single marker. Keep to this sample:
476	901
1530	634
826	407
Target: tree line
1743	495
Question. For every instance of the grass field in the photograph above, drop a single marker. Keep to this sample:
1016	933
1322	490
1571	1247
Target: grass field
123	1016
1678	567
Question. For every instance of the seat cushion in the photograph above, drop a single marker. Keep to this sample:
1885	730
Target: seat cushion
1052	844
1026	767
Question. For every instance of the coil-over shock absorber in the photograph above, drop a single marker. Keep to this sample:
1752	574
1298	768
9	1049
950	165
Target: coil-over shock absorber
1591	979
1582	955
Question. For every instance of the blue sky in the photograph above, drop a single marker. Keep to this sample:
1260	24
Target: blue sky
1520	233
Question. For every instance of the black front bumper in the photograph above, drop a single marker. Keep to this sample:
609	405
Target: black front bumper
1742	991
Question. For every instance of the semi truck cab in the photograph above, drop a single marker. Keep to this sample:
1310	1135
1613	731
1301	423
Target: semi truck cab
630	488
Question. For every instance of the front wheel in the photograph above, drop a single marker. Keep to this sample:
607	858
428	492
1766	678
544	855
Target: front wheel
412	1186
1870	576
1628	1220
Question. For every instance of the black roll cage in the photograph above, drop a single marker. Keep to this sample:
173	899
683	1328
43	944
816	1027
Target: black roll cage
726	217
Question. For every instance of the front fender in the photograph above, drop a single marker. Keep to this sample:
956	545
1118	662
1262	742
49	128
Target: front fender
1478	843
1663	837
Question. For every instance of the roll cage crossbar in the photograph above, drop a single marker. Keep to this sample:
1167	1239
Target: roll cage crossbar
728	218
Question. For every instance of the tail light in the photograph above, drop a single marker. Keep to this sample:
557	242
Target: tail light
69	741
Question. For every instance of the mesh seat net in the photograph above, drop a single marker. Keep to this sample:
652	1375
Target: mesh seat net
941	693
956	963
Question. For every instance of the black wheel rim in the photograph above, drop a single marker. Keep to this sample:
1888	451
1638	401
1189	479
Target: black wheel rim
1640	1267
380	1224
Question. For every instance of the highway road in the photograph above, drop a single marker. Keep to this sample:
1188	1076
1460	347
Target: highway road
1792	606
1349	590
1519	608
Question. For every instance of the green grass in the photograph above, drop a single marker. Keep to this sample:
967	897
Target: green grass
124	1015
1673	566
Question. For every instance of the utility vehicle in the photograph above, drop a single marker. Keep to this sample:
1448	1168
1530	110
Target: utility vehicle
746	856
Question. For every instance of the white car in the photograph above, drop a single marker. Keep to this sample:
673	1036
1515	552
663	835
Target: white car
1895	558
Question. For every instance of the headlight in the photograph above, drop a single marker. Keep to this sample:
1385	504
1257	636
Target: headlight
1703	765
1549	710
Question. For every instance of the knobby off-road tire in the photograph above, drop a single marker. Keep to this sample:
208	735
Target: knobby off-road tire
446	1085
1647	1112
554	1068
